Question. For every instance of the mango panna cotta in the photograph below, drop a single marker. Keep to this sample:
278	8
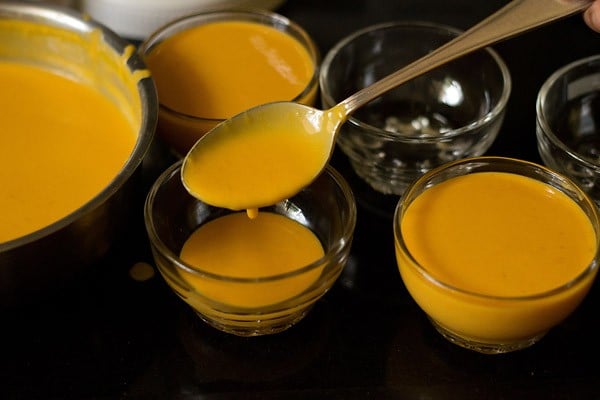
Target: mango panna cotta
496	257
215	69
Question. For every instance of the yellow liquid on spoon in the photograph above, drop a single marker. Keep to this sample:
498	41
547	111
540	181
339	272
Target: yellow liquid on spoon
261	157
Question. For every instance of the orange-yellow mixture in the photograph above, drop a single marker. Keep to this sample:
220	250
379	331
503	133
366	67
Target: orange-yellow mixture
219	69
496	234
240	247
61	143
216	70
258	163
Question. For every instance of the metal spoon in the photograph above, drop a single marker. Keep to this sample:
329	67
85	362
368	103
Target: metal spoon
238	179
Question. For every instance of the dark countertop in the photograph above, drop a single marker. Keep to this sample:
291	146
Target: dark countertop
108	336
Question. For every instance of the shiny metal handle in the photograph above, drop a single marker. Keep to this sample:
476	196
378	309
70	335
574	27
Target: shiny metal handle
516	17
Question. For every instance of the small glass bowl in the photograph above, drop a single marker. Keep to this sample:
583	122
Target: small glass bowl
326	207
485	323
568	123
180	130
452	112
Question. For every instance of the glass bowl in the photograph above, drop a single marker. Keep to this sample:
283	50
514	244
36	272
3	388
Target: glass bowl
486	279
568	123
251	305
452	112
180	128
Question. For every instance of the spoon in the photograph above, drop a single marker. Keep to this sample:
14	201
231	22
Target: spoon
270	152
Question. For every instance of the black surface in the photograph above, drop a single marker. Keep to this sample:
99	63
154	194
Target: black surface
111	337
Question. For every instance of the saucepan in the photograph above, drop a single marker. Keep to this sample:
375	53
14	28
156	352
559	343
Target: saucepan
66	42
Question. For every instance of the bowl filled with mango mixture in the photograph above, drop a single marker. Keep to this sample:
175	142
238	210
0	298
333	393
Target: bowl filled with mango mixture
251	272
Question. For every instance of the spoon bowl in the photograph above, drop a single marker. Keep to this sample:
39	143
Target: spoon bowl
294	142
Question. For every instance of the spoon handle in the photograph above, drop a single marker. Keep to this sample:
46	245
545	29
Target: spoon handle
516	17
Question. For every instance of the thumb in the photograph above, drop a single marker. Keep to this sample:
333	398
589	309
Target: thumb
591	16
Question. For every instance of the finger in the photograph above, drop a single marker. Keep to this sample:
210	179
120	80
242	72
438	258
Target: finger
592	16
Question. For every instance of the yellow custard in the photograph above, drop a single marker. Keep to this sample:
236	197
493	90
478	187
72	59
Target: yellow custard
219	69
499	234
258	163
61	143
235	246
499	243
215	70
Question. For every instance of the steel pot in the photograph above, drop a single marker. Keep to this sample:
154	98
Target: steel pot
64	40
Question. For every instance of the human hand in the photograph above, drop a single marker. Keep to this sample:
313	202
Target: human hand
591	16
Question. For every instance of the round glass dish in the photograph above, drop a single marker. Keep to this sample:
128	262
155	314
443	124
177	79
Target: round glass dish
187	75
498	303
452	112
326	207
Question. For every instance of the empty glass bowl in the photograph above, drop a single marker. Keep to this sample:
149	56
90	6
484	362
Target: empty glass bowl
568	123
452	112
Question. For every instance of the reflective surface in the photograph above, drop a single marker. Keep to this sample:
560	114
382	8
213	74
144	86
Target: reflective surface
114	337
